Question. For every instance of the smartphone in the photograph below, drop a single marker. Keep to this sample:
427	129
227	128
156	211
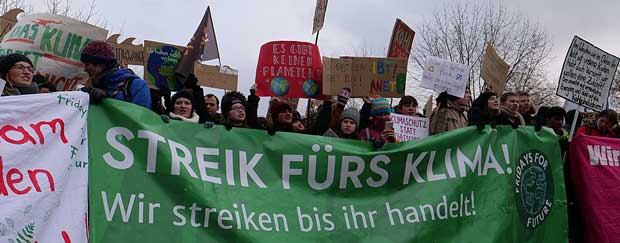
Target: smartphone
389	125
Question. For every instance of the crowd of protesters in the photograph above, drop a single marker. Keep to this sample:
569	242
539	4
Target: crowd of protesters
371	123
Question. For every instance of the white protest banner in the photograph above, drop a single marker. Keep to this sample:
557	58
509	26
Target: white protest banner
408	128
442	75
43	167
587	75
54	43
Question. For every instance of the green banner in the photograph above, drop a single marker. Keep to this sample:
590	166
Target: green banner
152	181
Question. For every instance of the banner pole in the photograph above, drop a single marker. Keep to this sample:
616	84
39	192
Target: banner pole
572	127
316	41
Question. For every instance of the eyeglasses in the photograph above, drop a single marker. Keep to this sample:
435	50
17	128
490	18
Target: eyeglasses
237	108
22	68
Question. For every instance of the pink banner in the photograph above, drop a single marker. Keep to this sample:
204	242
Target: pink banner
595	169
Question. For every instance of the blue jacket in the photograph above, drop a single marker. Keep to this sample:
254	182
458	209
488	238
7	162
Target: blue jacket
138	89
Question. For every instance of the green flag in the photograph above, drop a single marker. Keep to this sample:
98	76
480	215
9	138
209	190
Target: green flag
152	181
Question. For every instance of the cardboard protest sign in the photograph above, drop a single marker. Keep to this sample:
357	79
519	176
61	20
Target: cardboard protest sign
587	75
289	68
8	20
126	52
319	15
44	167
409	128
442	75
216	77
54	44
508	183
161	61
402	40
595	166
337	74
494	70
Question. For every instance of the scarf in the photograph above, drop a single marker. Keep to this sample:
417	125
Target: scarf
193	119
20	89
513	114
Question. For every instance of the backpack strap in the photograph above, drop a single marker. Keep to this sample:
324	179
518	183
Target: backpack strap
125	87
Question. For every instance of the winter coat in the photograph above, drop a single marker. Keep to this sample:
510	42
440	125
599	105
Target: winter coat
447	118
113	83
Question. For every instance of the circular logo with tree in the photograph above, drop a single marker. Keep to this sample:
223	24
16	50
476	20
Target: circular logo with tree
533	188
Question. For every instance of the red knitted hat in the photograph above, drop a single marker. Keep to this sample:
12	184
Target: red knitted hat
99	52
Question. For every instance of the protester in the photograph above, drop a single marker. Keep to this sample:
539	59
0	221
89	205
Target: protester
527	108
509	106
485	110
449	113
298	123
554	119
606	125
182	107
17	70
347	125
213	105
43	84
408	106
376	131
234	109
281	116
108	80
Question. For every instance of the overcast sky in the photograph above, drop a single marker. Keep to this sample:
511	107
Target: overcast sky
242	26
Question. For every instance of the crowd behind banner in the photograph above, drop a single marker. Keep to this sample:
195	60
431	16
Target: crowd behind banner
371	123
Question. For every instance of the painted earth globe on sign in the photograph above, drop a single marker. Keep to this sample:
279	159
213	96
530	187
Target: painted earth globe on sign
311	88
279	86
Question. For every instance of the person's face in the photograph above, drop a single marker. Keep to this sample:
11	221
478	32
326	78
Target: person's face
298	126
183	107
603	123
212	106
21	73
285	117
555	122
348	126
236	113
512	102
493	103
524	103
93	69
408	109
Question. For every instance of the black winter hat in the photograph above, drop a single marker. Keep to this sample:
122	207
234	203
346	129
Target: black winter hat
181	94
230	99
8	61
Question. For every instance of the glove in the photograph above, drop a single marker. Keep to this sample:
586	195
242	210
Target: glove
378	143
96	95
209	124
343	96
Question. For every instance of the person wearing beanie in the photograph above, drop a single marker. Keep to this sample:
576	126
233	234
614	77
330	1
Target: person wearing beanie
182	107
108	80
43	84
234	109
449	113
347	125
17	70
281	116
376	131
485	110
